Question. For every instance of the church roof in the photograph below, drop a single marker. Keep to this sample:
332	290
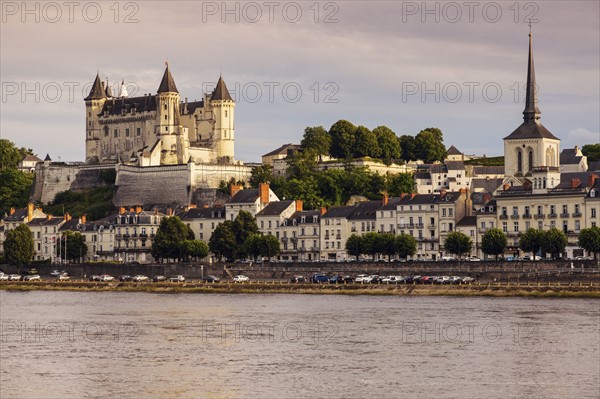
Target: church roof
97	92
167	85
221	92
531	130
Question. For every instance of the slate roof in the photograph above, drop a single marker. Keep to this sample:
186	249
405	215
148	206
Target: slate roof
467	221
531	130
452	150
391	205
438	168
18	216
569	156
275	208
455	165
488	170
246	196
221	92
486	185
338	212
115	106
31	158
594	166
284	149
215	212
423	175
308	217
365	210
167	84
97	92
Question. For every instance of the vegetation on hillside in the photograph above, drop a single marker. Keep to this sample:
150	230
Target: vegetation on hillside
486	161
95	203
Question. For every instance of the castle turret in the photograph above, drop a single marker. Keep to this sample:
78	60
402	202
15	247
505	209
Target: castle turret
223	110
168	128
94	103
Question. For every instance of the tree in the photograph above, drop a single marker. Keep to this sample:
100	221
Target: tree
531	241
253	245
342	139
261	174
301	164
429	145
171	233
386	244
306	190
18	246
365	144
389	145
269	246
457	243
370	246
354	245
554	242
493	242
222	241
589	239
408	150
71	245
194	249
244	226
406	245
10	156
317	140
592	152
401	183
14	189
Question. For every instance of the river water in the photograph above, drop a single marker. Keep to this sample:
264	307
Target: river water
146	345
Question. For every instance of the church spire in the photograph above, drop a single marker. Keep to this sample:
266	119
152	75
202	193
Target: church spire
531	112
167	85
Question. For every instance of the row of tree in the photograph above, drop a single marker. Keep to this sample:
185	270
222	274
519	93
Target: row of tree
344	140
386	244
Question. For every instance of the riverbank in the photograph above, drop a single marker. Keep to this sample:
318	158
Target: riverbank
541	290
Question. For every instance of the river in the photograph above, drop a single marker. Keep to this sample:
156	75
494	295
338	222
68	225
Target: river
147	345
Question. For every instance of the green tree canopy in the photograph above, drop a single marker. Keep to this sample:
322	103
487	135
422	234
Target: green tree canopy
18	246
269	246
531	241
430	146
222	242
343	139
589	239
306	190
406	245
592	152
457	243
10	156
261	174
401	183
365	144
317	140
554	242
354	245
244	226
171	233
301	164
493	242
76	247
194	249
408	148
15	187
386	244
389	145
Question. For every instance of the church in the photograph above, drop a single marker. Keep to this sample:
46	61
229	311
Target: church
159	129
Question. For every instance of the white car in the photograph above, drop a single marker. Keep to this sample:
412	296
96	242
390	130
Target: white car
14	277
63	277
473	259
241	278
33	277
177	279
392	280
55	273
139	278
106	278
360	278
3	277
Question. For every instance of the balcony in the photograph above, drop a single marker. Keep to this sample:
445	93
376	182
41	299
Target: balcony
514	216
503	216
526	216
552	216
576	214
564	215
541	169
513	234
419	226
539	216
482	230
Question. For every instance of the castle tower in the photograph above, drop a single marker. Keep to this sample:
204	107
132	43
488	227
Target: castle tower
168	128
94	103
531	150
223	110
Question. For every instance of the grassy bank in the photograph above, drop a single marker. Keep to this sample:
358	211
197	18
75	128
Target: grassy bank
488	290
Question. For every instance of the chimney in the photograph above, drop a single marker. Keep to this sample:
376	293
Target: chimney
506	186
138	209
12	210
67	217
591	180
83	219
443	193
121	210
48	216
192	206
263	191
30	209
299	205
487	198
412	195
234	189
575	182
403	195
156	211
131	209
323	210
169	212
385	199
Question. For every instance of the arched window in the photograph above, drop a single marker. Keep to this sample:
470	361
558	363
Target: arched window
530	161
519	162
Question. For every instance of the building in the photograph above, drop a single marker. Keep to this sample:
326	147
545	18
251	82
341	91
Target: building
251	200
28	163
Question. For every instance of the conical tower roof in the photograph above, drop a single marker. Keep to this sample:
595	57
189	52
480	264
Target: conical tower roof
221	92
167	85
97	92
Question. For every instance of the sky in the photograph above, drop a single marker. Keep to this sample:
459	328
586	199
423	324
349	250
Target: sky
458	66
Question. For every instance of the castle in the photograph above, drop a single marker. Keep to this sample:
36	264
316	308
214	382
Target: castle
159	129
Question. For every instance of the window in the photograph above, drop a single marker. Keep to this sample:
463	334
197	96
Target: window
577	225
519	162
126	132
450	212
552	209
116	133
527	210
527	225
505	227
530	161
515	211
472	233
539	210
443	211
577	209
225	113
565	209
138	131
504	211
516	226
593	212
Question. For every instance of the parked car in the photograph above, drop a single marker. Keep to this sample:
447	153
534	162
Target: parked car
455	280
467	280
447	258
139	278
297	279
32	277
125	277
94	277
3	277
341	279
361	278
240	278
159	279
211	279
442	280
177	279
63	277
392	279
319	278
106	278
32	271
14	277
55	273
473	259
